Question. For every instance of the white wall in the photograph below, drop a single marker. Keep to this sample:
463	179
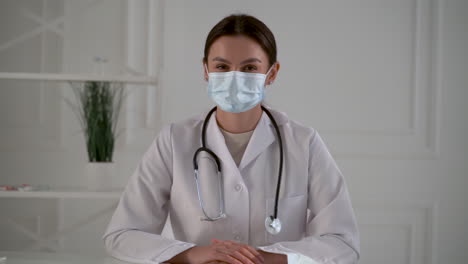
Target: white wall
383	81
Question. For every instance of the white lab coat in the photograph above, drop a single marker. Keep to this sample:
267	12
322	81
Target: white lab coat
318	222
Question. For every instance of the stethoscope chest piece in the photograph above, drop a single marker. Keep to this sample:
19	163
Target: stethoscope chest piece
273	225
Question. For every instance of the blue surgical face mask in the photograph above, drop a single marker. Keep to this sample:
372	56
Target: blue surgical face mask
236	91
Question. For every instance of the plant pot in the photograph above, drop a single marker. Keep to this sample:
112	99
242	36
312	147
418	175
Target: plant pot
100	175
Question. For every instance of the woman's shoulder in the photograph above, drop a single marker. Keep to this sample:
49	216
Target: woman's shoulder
188	122
303	136
182	126
293	127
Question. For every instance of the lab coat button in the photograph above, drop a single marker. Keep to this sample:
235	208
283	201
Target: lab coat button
238	187
238	238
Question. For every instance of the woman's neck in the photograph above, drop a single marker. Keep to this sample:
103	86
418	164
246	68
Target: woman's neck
239	122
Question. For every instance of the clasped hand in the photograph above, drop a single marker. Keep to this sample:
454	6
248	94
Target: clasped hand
226	251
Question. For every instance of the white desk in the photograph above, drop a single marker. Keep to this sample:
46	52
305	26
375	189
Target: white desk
54	258
60	195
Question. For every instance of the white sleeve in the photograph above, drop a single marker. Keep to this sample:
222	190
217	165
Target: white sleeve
134	232
295	258
332	234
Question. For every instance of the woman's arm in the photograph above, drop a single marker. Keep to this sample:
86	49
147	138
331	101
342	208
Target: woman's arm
274	258
331	234
134	231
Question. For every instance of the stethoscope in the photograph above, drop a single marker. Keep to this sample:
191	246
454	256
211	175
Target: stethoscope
272	223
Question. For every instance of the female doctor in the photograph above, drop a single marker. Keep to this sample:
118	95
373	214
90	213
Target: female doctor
242	183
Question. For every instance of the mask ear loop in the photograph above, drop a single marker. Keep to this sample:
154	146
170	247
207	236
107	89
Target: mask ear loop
268	72
206	70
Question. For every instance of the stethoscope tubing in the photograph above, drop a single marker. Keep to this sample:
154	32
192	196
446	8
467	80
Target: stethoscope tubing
203	148
280	169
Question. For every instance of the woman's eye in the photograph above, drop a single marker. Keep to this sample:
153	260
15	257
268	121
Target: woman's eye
221	67
250	68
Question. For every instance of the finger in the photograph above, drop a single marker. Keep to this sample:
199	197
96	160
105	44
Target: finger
255	252
235	251
241	257
233	260
223	257
239	249
248	251
229	253
214	240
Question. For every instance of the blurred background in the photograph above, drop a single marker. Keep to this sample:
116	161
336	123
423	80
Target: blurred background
384	82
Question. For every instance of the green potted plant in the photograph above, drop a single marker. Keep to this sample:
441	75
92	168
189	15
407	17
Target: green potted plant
97	108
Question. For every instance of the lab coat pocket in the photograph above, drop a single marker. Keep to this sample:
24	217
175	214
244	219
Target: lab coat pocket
292	212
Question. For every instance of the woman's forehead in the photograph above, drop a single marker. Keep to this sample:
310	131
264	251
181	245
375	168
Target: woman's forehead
237	49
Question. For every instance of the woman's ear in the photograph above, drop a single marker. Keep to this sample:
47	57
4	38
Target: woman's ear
273	73
205	71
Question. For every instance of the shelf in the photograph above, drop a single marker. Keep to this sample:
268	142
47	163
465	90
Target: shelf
56	258
78	77
80	194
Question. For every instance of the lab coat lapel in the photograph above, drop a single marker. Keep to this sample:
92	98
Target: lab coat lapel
262	137
216	142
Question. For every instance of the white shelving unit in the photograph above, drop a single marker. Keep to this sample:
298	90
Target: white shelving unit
78	77
62	194
138	58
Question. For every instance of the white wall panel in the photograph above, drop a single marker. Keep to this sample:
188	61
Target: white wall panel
398	232
144	20
29	106
33	44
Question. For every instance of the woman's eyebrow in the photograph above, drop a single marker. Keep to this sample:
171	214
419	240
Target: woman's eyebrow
221	60
244	62
251	60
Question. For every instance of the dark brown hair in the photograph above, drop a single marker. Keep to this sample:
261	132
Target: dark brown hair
242	24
